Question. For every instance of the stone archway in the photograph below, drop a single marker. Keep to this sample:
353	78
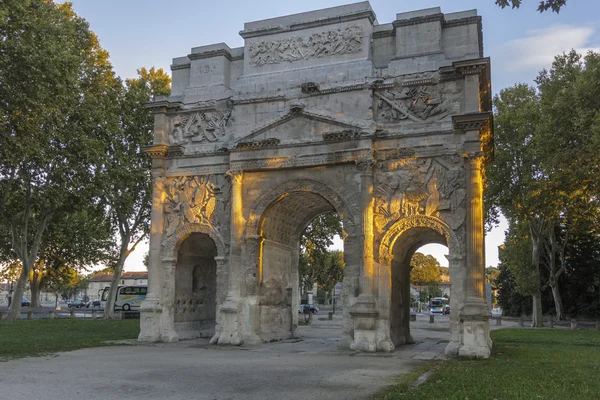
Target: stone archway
187	314
395	252
272	238
254	142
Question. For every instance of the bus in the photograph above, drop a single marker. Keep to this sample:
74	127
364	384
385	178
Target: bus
128	297
436	304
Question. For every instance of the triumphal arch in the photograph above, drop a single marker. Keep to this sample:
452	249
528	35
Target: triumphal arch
388	125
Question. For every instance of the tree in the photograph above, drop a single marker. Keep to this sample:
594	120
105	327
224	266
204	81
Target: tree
314	243
425	270
128	184
515	184
545	171
544	5
57	93
331	271
566	143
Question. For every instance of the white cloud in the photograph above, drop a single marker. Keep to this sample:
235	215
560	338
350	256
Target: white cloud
539	47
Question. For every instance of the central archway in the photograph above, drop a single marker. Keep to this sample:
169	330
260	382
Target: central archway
276	224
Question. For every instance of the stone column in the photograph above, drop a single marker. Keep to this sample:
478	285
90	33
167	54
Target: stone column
475	314
458	279
230	313
150	309
168	333
364	311
406	301
250	276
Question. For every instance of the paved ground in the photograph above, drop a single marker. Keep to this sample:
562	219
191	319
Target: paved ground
307	368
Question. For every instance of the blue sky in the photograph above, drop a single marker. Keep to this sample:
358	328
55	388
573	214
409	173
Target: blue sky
145	33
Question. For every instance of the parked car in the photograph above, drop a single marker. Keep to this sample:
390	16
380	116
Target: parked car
446	310
313	308
25	302
77	303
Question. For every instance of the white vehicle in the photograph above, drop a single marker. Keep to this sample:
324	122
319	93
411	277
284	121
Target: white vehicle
127	297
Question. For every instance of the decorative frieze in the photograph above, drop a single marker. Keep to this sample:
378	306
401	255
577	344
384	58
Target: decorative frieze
205	125
320	44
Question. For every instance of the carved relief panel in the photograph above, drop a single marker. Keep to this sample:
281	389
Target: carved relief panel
320	44
207	124
409	186
418	100
200	200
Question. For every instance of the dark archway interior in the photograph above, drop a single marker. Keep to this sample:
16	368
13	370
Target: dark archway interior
404	248
281	226
196	287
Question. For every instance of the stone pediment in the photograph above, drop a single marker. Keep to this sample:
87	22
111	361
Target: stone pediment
303	125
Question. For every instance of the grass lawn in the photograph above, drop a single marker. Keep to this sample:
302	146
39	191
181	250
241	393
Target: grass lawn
525	364
44	336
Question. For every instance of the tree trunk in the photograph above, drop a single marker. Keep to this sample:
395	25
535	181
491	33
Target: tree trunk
555	272
14	311
557	301
109	309
35	280
537	320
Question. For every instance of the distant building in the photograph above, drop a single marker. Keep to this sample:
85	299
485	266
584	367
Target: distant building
100	281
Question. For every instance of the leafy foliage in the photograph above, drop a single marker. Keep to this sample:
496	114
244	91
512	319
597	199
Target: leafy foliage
426	269
544	5
127	183
57	102
317	263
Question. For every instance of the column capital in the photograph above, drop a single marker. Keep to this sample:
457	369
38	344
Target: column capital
235	175
473	156
366	165
169	262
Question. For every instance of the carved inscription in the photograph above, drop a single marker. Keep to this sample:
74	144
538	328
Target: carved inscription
199	126
188	200
428	187
321	44
417	104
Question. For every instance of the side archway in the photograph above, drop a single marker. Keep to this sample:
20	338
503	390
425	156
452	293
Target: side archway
396	249
192	281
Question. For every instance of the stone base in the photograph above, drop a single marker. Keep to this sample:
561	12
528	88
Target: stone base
476	342
364	313
364	341
150	315
230	331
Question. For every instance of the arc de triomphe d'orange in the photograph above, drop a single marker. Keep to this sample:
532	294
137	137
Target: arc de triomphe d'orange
388	125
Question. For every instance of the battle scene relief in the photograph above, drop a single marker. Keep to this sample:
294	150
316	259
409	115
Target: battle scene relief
422	100
208	124
409	186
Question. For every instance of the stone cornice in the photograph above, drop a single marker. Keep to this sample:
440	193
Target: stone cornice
180	66
419	20
471	122
162	151
273	142
210	54
250	33
163	106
